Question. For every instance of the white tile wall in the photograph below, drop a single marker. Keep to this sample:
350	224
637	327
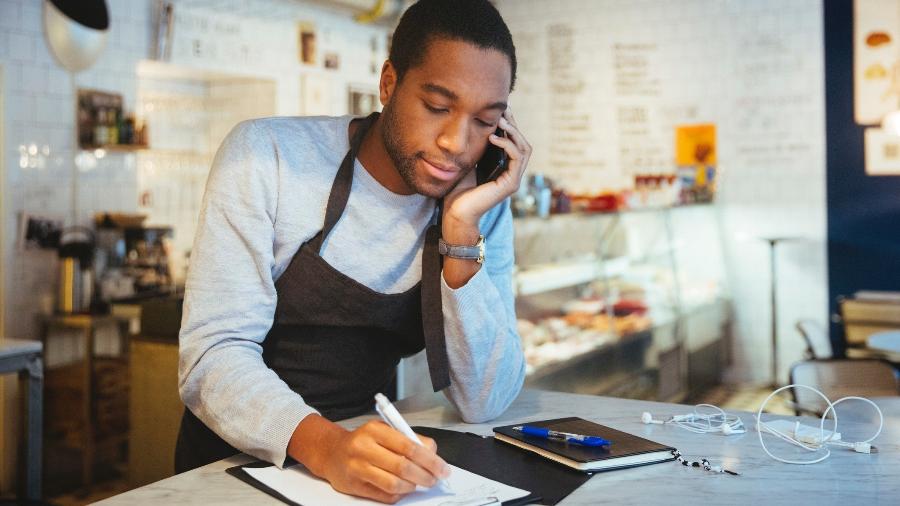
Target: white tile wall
755	69
39	95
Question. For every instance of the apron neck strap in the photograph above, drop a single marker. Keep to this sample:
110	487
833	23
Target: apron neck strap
343	181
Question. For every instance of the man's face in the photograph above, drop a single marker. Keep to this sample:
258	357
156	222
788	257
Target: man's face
437	119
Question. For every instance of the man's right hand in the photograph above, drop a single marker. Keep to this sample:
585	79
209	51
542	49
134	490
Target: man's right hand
373	461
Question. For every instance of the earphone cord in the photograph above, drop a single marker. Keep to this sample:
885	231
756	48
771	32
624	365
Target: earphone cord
861	447
702	463
705	423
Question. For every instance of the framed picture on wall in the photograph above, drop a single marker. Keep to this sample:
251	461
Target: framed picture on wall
882	152
38	232
306	42
876	60
332	60
363	100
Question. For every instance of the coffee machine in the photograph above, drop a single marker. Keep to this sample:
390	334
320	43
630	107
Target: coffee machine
76	281
132	261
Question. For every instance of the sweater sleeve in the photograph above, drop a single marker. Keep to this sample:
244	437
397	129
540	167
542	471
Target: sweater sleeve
230	303
487	365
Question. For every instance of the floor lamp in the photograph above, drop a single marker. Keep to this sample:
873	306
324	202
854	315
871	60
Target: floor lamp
773	284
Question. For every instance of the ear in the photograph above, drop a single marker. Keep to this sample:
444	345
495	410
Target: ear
388	82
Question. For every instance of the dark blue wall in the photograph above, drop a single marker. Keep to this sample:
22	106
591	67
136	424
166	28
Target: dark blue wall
863	211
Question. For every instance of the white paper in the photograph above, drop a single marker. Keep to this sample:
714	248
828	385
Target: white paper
300	486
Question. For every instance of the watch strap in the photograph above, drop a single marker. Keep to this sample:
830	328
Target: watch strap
473	252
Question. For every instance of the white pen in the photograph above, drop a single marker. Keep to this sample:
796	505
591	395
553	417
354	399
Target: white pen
392	417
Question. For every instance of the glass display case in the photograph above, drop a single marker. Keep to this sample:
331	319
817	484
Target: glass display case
630	303
627	304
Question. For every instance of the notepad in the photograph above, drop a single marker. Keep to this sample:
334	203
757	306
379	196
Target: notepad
626	450
299	486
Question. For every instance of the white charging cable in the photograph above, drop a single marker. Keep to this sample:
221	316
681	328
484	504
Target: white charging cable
702	423
822	442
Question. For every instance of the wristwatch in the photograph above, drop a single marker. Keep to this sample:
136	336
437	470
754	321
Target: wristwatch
475	252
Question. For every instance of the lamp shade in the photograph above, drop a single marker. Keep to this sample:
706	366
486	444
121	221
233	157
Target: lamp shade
76	31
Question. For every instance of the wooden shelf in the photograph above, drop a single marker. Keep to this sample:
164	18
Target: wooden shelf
135	148
116	147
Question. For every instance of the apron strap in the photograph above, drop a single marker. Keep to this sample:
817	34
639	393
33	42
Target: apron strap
343	181
432	310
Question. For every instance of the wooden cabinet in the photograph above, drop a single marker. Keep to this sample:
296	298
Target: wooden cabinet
86	400
155	410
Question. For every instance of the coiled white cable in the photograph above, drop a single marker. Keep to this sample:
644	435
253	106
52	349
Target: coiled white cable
702	423
705	423
861	446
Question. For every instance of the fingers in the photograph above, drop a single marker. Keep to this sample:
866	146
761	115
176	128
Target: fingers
390	484
517	147
373	492
428	442
517	160
418	464
508	123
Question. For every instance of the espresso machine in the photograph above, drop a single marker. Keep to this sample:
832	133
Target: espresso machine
132	261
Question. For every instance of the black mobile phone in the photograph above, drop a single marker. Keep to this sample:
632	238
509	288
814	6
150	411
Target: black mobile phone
492	163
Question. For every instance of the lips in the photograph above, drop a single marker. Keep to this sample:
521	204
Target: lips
440	171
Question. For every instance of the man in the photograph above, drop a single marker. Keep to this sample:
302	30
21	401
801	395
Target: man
304	289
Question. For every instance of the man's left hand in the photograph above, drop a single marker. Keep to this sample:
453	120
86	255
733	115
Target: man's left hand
468	202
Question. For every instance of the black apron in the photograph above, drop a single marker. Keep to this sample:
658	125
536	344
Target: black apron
334	340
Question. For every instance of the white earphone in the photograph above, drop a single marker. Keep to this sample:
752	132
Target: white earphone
702	423
648	418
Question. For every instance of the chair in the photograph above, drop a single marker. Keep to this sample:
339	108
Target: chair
838	378
818	345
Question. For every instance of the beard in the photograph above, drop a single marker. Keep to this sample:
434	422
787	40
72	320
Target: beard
405	161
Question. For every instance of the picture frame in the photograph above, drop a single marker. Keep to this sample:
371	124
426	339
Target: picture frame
306	43
362	100
38	232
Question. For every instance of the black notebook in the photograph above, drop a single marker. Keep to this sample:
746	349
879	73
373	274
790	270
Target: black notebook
626	450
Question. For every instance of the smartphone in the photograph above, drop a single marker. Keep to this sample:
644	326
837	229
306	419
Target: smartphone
493	163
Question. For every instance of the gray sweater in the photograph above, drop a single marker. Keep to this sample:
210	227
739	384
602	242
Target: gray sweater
265	196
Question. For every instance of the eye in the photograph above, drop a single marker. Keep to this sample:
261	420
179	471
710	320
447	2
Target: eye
436	110
486	124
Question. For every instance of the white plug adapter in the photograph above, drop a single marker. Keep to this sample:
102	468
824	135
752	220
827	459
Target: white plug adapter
803	433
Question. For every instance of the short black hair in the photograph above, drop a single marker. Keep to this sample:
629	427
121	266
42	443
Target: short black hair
475	21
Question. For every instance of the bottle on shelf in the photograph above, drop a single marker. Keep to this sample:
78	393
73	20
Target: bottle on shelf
112	121
141	136
101	131
126	133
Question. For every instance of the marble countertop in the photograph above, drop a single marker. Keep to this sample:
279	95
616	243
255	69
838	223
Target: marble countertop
844	478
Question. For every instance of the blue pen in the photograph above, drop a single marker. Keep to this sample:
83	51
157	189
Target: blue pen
562	436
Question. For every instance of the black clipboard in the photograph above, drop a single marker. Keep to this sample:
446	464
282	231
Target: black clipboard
548	481
239	473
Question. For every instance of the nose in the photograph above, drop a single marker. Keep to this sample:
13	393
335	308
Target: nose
454	137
